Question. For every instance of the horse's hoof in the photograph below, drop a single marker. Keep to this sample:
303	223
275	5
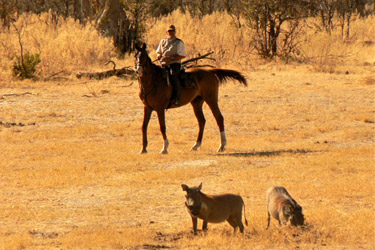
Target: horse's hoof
221	149
164	152
195	147
143	151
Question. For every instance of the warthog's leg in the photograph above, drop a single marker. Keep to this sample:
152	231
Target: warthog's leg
195	224
233	223
242	228
146	118
205	226
281	218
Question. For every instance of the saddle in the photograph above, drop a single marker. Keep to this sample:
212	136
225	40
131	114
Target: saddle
186	79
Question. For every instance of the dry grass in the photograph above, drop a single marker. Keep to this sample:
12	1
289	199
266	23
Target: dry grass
71	176
64	46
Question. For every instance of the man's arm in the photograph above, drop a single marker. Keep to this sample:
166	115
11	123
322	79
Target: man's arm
181	54
158	50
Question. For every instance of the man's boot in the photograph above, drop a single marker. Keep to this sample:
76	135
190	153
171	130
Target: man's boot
176	91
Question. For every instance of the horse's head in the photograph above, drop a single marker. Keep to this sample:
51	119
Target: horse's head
141	58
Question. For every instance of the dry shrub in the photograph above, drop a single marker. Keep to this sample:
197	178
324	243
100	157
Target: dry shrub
232	45
326	51
216	32
362	30
63	45
67	45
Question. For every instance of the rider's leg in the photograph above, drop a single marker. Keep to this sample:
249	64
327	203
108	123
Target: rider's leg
175	70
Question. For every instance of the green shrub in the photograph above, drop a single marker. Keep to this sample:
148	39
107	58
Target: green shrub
27	68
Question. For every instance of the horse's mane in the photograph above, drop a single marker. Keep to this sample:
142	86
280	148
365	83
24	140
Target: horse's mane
156	67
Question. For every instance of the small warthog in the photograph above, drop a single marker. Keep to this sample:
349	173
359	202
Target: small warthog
214	208
283	207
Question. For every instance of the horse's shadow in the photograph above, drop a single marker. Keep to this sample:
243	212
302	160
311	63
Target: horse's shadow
268	153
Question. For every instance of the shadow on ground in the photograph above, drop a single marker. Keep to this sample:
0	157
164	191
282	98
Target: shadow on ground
268	153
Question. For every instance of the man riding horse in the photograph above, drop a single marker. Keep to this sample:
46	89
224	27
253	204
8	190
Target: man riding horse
170	52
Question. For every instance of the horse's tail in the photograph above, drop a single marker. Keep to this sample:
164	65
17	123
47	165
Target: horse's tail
225	74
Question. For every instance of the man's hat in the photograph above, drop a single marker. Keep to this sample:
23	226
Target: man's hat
172	28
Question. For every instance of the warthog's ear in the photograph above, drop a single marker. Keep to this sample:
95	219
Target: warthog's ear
184	187
200	187
144	46
287	210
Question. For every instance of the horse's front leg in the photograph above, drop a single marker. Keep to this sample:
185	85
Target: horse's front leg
161	117
146	118
198	111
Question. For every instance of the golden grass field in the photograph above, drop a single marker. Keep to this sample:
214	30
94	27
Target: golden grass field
72	176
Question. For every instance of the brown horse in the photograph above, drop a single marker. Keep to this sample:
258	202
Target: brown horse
156	92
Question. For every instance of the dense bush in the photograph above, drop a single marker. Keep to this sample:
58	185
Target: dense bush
25	66
61	45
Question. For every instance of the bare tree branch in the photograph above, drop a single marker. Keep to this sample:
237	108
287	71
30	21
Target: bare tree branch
205	56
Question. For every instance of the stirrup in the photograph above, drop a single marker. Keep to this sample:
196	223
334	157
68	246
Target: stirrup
175	101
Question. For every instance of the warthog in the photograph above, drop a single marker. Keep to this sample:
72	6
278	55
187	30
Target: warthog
214	208
283	207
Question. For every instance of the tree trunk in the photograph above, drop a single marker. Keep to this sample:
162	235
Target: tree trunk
273	38
342	25
348	18
114	22
82	10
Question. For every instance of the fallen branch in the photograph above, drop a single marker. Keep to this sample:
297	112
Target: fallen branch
54	76
123	72
13	124
12	94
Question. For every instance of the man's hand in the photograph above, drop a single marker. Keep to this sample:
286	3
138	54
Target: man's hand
171	58
165	59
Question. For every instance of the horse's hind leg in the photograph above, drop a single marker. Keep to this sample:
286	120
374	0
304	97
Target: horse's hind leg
197	104
220	122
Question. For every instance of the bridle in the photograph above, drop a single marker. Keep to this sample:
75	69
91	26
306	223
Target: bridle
139	67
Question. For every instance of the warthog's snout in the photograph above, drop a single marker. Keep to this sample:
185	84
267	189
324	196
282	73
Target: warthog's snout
193	202
298	219
194	209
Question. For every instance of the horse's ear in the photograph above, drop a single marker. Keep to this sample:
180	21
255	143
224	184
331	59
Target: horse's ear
144	46
136	46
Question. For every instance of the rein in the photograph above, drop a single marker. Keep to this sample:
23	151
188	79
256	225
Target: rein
154	86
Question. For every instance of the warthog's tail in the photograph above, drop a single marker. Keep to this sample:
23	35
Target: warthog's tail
244	213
